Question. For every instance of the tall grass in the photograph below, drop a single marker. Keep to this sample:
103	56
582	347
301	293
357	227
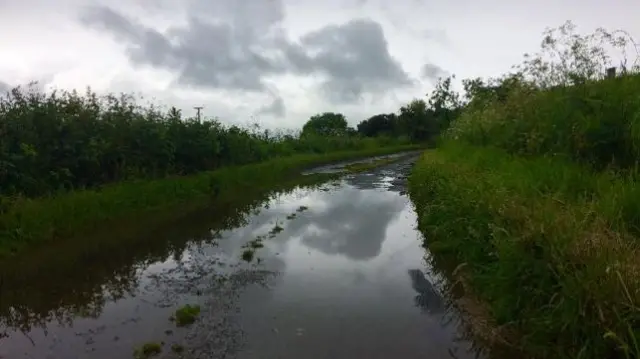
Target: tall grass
534	192
595	123
545	244
561	103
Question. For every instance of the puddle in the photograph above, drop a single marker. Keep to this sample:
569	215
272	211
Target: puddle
343	276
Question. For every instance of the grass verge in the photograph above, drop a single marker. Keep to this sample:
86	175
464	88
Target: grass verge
29	221
546	245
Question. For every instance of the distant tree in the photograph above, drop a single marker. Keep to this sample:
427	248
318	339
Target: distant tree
417	121
326	124
378	125
444	103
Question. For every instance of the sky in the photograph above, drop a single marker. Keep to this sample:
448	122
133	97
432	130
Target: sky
278	62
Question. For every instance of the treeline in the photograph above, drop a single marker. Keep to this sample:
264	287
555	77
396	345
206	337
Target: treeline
65	140
420	120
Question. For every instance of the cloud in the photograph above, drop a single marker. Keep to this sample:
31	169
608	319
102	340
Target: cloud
232	45
355	59
433	72
352	223
275	108
4	87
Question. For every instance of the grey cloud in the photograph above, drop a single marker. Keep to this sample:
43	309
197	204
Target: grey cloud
438	35
35	85
355	58
236	45
275	108
433	72
4	87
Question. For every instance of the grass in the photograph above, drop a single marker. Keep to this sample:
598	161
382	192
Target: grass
147	350
177	348
547	245
33	221
595	123
186	315
248	254
277	228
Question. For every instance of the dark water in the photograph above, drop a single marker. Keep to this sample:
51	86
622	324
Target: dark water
346	277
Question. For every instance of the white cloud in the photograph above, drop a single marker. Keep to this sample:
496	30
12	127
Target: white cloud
279	61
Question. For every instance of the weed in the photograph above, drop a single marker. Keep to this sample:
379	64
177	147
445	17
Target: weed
186	315
291	216
177	348
247	255
277	228
147	350
256	244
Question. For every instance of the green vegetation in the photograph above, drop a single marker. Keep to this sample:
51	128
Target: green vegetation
277	228
186	315
533	194
250	247
248	254
147	350
177	348
64	141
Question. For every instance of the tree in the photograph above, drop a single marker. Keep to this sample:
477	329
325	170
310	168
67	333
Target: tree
326	124
378	125
417	121
444	103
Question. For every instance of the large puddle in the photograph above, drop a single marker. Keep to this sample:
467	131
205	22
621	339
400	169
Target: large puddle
341	274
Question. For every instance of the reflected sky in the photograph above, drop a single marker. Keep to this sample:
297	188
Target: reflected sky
344	289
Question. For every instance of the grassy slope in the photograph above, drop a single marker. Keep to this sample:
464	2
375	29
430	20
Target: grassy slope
38	220
547	245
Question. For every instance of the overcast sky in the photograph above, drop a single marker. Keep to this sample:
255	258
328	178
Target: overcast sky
276	62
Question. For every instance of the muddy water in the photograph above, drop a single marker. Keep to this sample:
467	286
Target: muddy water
341	274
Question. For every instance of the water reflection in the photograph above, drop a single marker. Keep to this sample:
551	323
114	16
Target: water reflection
428	298
350	222
342	262
47	286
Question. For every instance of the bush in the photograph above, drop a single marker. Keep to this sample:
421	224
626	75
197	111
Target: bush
65	141
560	108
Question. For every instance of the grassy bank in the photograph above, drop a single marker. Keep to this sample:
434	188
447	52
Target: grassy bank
28	221
547	245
